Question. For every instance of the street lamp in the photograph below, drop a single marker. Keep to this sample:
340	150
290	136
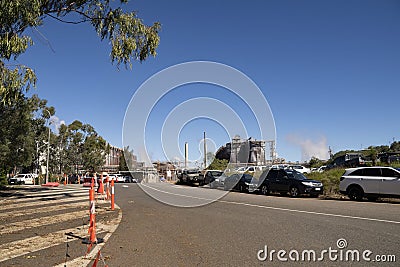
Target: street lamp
48	151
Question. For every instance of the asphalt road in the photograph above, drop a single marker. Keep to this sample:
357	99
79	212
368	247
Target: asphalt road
237	229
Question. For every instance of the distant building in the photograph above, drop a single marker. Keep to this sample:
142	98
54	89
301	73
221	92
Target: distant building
247	151
166	169
113	157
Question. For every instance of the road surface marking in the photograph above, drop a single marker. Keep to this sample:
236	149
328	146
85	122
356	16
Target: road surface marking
40	203
85	260
36	243
280	209
42	209
37	222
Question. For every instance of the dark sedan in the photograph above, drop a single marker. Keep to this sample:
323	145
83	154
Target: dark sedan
289	181
211	178
241	182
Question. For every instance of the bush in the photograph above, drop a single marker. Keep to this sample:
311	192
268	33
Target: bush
330	179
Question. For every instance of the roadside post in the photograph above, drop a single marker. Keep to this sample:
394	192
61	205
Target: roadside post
92	223
112	195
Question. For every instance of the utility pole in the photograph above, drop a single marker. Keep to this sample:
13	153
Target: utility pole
48	151
205	151
186	154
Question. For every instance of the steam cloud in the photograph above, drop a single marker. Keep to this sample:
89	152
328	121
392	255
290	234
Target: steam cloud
310	148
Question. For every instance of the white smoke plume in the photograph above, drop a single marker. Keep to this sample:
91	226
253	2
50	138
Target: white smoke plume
310	148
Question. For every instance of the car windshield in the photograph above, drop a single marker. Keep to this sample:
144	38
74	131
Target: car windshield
192	171
216	173
296	175
248	178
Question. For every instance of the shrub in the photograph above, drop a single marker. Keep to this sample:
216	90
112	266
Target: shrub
329	178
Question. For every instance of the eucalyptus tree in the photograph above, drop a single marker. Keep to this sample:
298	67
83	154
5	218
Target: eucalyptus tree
22	133
129	37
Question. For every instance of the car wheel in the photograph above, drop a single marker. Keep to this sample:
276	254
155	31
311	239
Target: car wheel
294	191
356	193
265	190
242	189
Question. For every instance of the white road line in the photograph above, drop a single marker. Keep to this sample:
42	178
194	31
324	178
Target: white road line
63	192
37	222
85	260
41	203
36	243
25	198
41	209
280	209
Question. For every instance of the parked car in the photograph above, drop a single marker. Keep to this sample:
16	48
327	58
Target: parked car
192	176
219	181
370	182
27	178
299	168
250	169
130	179
210	176
241	182
119	178
288	181
321	169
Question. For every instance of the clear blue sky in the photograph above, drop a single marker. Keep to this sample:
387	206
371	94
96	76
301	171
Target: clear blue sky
330	70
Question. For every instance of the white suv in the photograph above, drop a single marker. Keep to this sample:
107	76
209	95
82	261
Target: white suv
371	182
22	179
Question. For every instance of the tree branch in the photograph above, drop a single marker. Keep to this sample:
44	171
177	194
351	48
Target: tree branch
65	21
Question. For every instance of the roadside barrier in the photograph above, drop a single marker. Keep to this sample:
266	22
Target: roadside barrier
112	195
108	197
92	223
99	257
51	184
100	190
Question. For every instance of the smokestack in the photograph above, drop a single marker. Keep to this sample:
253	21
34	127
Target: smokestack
186	153
205	151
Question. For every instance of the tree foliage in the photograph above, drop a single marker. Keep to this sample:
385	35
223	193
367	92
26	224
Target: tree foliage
218	164
315	162
22	133
77	146
130	38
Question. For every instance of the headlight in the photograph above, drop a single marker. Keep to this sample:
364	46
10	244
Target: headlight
307	183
